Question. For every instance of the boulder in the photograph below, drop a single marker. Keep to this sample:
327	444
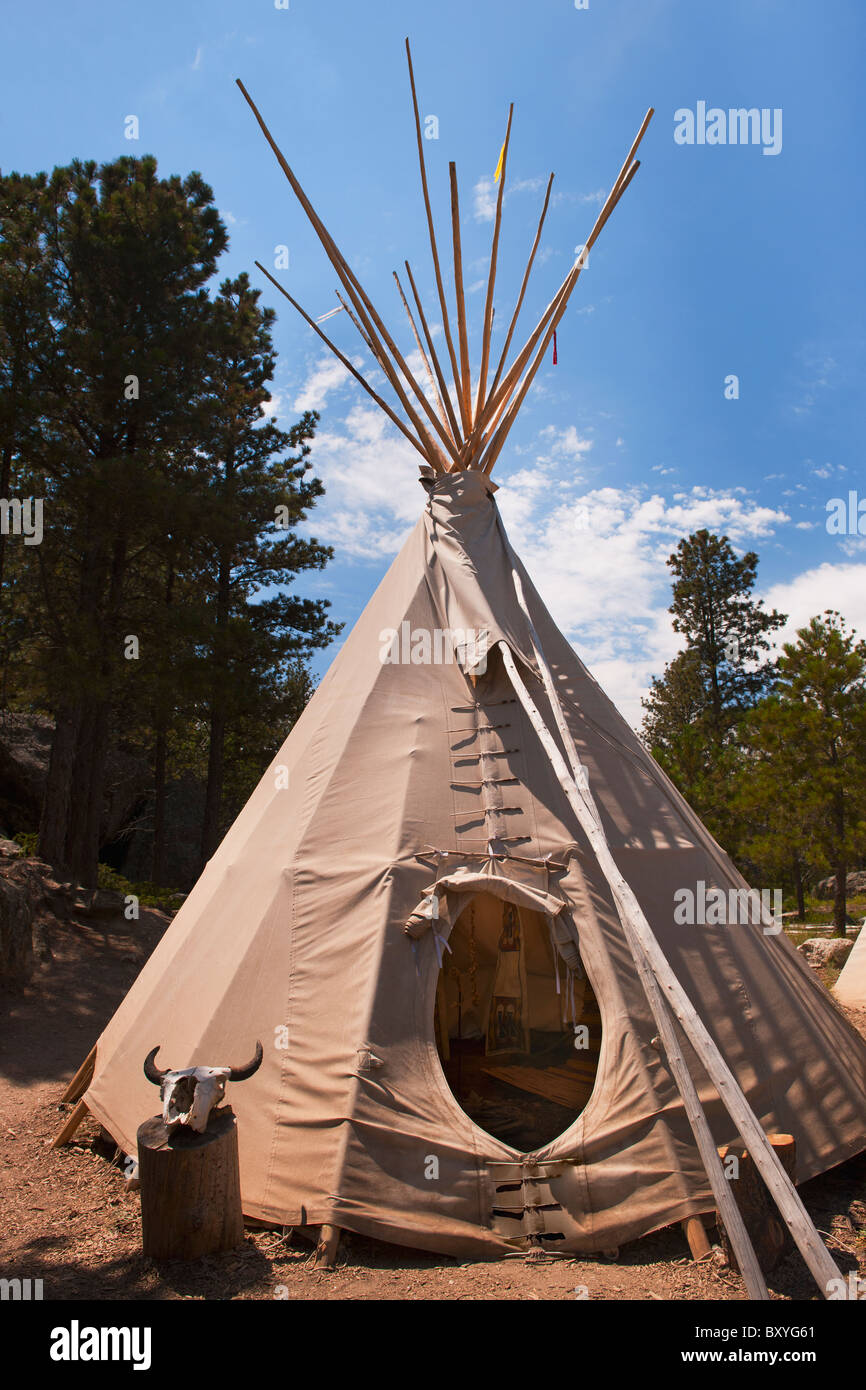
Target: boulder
826	950
855	884
97	902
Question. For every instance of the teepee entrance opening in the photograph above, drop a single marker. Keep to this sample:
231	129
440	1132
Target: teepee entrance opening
518	1033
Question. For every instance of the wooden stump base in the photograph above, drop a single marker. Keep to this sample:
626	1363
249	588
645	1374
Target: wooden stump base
190	1188
766	1228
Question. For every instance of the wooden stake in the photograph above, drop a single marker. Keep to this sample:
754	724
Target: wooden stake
69	1126
82	1078
348	365
326	1249
465	383
467	423
491	278
693	1230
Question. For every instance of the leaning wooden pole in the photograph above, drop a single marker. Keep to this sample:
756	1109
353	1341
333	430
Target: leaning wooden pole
552	318
779	1184
491	278
420	346
82	1078
467	423
515	316
554	311
725	1200
350	367
444	393
465	382
70	1125
363	305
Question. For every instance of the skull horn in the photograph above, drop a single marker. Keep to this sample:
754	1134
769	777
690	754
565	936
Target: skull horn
151	1070
243	1073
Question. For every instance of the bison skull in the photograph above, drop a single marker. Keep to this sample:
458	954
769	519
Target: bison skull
189	1095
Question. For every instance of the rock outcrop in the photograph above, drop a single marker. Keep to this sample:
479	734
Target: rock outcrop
826	950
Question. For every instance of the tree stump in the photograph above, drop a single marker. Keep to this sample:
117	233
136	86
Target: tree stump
190	1188
766	1227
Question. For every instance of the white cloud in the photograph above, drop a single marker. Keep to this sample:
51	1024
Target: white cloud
326	376
373	494
196	62
599	563
828	585
486	192
563	443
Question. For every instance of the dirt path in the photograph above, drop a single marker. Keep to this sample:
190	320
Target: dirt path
66	1218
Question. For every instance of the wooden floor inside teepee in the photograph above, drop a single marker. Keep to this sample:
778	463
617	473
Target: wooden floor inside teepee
526	1100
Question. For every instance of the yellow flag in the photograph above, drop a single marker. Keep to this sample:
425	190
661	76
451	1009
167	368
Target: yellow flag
498	174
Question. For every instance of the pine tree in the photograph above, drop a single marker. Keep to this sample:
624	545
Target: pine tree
804	782
693	710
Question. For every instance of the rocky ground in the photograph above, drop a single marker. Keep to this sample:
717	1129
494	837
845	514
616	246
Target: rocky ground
65	1216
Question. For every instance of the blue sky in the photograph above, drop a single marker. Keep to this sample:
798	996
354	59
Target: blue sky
719	260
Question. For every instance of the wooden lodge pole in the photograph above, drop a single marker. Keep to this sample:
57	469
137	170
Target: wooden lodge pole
665	988
70	1125
82	1078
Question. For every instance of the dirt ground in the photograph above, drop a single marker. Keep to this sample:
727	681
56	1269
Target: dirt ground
66	1218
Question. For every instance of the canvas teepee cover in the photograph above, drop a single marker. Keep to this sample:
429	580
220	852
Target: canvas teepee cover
405	790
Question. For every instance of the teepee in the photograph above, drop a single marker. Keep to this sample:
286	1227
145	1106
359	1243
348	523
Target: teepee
850	988
457	883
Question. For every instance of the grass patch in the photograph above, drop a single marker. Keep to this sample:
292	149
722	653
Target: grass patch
148	894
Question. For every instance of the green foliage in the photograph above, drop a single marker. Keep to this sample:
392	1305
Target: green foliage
802	786
771	755
148	894
693	711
